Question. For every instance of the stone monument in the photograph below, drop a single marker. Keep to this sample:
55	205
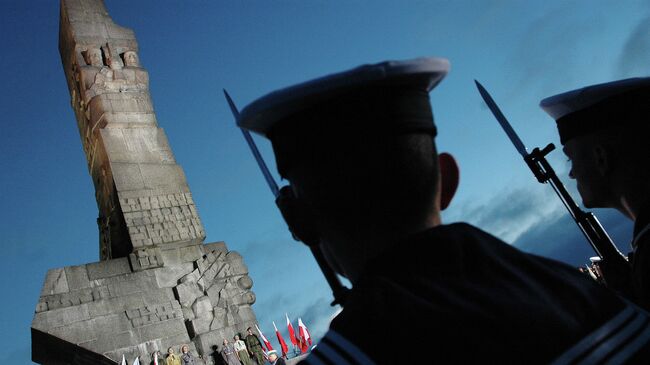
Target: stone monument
157	284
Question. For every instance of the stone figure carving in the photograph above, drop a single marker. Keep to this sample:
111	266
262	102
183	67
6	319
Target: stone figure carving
93	57
131	59
87	72
117	77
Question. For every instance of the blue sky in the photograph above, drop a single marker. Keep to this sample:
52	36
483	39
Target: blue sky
522	51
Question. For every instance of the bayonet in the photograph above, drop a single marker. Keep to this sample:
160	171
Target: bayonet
519	145
256	153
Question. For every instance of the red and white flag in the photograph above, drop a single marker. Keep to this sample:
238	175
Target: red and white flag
266	342
292	333
283	344
155	359
305	338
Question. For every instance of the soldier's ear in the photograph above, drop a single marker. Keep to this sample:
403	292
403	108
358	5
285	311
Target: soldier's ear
449	178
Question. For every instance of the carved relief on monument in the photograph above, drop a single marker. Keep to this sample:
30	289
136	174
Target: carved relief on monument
216	297
200	303
99	77
165	218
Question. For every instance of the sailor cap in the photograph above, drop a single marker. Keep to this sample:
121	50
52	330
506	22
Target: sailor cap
327	96
613	104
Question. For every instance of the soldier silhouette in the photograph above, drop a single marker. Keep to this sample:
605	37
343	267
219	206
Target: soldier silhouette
604	131
358	150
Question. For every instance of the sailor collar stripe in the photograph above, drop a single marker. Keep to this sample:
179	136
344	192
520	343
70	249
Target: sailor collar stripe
615	342
336	349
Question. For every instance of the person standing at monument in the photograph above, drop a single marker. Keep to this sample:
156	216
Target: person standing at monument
160	358
365	177
186	357
172	358
604	131
254	346
242	351
228	353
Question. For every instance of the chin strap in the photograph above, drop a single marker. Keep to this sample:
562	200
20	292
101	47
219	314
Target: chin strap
302	227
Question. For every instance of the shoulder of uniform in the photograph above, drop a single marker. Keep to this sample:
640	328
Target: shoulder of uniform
616	341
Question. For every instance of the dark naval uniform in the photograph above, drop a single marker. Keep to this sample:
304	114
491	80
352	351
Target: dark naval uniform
640	257
473	299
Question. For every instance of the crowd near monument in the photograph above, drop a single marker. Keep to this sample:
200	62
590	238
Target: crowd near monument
157	285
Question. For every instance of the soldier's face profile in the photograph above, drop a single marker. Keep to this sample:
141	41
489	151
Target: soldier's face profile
585	170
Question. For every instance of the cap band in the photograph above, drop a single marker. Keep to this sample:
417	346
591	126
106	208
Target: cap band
383	110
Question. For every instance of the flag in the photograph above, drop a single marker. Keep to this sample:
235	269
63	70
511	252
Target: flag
123	360
305	338
155	358
266	342
137	361
292	333
283	344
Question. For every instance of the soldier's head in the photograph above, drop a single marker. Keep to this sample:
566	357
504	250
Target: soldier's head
249	330
170	350
358	149
603	129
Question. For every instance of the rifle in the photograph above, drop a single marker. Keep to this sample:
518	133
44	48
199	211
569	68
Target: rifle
596	235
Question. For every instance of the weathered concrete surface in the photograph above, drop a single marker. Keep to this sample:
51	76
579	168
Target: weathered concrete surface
110	310
157	285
